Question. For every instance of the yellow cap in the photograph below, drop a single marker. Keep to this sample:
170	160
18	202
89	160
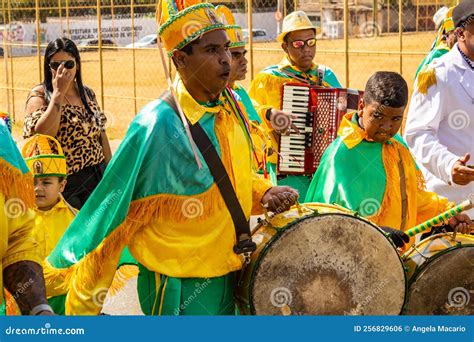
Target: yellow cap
182	21
296	21
234	32
44	156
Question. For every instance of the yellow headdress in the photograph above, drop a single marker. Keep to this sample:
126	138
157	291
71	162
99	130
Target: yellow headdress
182	21
234	32
44	156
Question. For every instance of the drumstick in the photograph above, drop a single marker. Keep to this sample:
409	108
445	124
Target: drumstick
465	205
173	94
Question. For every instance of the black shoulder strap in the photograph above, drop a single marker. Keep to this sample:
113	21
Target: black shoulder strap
214	162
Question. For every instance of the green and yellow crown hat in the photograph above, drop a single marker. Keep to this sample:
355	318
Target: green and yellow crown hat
234	32
182	21
44	156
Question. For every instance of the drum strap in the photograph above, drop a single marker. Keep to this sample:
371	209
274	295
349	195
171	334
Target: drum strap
403	192
244	245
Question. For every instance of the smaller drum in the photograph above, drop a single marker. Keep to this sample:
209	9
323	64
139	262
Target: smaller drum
320	259
441	276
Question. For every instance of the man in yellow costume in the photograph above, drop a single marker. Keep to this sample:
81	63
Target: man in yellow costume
20	264
181	209
238	72
298	41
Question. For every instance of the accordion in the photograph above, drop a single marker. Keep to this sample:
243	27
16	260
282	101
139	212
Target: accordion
317	113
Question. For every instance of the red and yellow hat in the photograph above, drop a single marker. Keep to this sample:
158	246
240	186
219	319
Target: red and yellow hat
182	21
234	32
44	156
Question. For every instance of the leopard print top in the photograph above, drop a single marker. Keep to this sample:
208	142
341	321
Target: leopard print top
79	133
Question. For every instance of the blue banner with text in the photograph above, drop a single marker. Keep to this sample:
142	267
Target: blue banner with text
239	328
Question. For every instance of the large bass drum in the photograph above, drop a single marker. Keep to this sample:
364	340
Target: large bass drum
441	276
320	259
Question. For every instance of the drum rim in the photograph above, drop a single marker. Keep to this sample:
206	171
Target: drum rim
291	225
418	268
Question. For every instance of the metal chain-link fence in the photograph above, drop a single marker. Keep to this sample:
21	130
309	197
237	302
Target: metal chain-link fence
122	64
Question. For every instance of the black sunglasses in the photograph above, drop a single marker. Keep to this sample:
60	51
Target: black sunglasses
67	64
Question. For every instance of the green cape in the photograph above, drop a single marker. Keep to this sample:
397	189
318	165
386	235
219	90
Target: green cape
347	177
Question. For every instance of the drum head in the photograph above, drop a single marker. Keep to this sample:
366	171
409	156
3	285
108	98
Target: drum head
331	264
444	285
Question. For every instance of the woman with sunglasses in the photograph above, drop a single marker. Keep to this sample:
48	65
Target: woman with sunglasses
62	107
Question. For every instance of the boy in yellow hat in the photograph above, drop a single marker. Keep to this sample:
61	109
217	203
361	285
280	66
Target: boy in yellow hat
20	265
45	159
44	156
298	41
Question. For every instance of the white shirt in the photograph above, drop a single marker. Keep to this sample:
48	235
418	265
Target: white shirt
440	125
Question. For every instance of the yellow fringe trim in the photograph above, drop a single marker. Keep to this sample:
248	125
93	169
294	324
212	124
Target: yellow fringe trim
140	214
390	207
14	184
420	180
122	276
426	78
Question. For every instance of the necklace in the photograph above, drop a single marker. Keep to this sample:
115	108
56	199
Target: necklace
468	61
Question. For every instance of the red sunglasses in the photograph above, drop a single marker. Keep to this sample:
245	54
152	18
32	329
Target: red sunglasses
299	44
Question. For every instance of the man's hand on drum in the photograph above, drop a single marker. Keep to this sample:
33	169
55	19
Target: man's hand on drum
279	198
462	173
281	121
461	223
399	237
